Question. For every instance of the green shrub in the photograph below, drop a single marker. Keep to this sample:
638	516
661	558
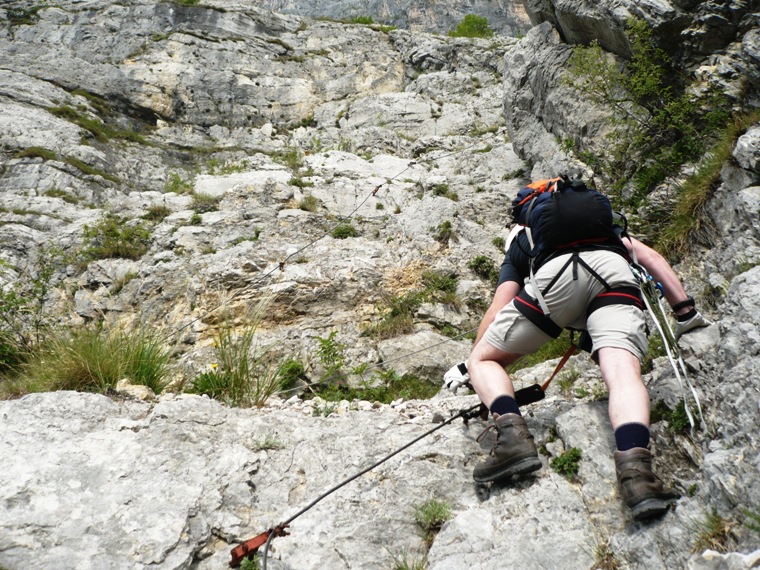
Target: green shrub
344	231
659	126
472	26
24	323
37	152
440	288
99	130
752	520
45	154
290	156
157	213
688	222
499	243
398	310
443	190
290	372
115	237
443	232
203	203
176	185
331	354
431	516
484	267
63	195
309	203
300	182
567	463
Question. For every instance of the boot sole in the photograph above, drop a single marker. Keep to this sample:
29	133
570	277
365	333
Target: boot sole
650	508
527	465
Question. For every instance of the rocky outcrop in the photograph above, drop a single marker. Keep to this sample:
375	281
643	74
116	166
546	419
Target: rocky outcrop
687	29
405	135
506	17
551	125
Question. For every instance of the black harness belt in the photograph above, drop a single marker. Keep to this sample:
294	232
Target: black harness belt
529	307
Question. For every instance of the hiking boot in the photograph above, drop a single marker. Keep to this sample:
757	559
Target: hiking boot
642	490
512	453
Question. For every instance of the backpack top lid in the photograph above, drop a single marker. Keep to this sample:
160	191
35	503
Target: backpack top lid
534	189
562	214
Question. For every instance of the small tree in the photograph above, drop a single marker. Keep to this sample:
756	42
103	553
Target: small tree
472	26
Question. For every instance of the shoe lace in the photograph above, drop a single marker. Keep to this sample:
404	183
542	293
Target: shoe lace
495	434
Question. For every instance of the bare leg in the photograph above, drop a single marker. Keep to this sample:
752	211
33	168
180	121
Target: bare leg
629	399
487	375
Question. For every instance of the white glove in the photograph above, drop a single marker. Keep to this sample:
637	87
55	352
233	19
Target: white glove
695	322
456	377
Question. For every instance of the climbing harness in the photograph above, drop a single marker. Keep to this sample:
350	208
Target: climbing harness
652	294
250	547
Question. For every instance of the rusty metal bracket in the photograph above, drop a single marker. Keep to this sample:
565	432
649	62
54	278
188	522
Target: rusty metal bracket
250	547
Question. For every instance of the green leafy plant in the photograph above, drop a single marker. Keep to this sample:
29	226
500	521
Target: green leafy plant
659	126
290	372
445	191
472	26
398	310
443	232
566	381
63	195
99	130
24	323
499	243
177	185
46	154
430	516
752	520
484	267
331	354
252	562
203	203
300	182
290	156
268	442
343	231
115	237
555	348
567	463
157	213
309	203
688	222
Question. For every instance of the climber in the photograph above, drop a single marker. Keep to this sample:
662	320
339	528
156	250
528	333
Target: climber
515	269
579	278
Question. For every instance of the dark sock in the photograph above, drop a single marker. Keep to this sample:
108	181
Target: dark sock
686	316
633	435
505	405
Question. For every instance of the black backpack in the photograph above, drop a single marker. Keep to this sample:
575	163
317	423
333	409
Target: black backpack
561	214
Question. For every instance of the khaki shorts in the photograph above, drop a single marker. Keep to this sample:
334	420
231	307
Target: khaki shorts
619	326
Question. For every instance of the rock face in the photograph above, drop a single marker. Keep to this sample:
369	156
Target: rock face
507	17
225	117
690	29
